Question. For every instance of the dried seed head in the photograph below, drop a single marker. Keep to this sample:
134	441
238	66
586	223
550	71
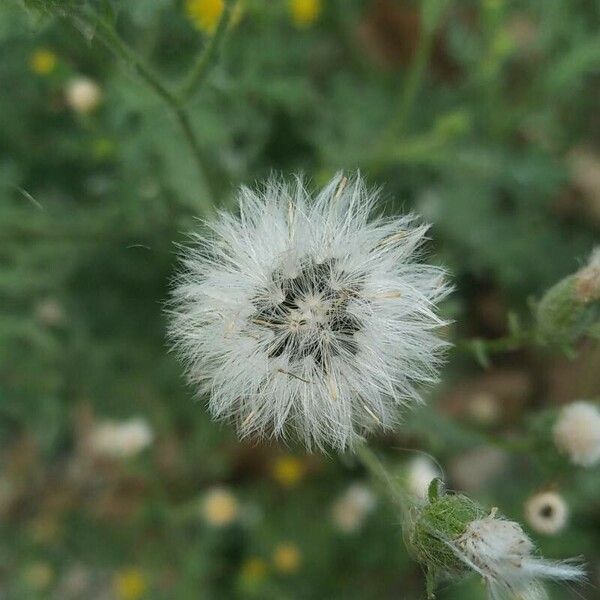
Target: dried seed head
309	316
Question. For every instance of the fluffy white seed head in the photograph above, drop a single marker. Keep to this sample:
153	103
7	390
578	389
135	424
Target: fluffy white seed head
83	95
309	316
577	433
350	510
120	439
500	551
547	512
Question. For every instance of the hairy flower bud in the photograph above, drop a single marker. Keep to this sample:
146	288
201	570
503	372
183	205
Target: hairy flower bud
452	535
577	433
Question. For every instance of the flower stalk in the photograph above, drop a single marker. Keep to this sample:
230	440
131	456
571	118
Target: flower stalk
90	20
209	55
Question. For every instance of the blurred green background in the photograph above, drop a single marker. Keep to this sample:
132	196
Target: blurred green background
483	116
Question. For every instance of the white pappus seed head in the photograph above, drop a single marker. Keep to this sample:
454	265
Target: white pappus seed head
547	512
308	316
501	552
577	433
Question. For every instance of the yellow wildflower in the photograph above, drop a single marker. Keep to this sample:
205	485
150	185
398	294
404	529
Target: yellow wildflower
305	12
204	14
129	584
42	62
288	471
287	558
39	576
253	570
219	507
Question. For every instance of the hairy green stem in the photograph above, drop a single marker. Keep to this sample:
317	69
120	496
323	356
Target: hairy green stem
208	57
384	480
481	348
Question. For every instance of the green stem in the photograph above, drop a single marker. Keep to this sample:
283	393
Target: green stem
481	348
431	15
383	479
114	43
208	57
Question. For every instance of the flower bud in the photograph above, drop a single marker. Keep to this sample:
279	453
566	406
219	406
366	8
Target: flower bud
563	314
453	535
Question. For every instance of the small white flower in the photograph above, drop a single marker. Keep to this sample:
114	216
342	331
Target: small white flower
114	439
420	473
547	512
503	555
577	433
309	316
83	95
352	507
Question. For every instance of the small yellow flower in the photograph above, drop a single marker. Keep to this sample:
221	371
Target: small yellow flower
305	12
287	558
204	14
219	507
39	576
129	584
42	62
103	148
288	471
253	570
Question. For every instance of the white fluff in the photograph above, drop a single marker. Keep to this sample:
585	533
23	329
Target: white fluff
308	316
577	433
120	439
503	555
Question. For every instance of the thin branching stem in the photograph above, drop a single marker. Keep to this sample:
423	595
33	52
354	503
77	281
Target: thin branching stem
432	14
390	487
210	54
109	37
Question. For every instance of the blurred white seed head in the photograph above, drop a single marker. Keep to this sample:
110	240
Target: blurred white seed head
484	407
350	510
546	512
577	433
120	439
83	95
309	316
420	473
473	469
50	312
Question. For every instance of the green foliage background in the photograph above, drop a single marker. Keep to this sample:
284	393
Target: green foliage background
491	133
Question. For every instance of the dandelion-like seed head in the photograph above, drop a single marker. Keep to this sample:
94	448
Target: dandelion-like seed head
352	507
453	535
83	95
577	433
309	316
